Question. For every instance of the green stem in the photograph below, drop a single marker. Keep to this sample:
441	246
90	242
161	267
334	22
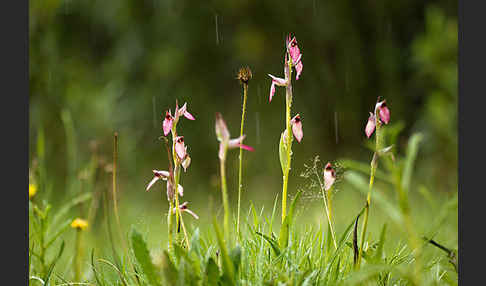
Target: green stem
169	224
327	205
288	106
77	256
374	165
240	179
225	199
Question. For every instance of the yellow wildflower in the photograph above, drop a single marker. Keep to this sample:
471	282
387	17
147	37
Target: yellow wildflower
32	190
79	223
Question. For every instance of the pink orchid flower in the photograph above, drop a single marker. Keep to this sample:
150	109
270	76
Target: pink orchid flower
165	176
295	55
329	176
296	123
223	136
169	120
383	112
293	52
183	111
180	148
183	208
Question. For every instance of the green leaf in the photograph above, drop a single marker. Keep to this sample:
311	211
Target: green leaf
381	242
95	271
412	150
228	266
273	243
355	241
285	229
282	151
72	203
211	273
170	272
53	263
143	258
235	256
359	183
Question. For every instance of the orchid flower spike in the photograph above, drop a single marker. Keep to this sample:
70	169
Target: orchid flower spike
183	208
223	136
329	176
292	52
296	123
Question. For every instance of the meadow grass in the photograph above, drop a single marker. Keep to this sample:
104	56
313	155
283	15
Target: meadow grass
263	255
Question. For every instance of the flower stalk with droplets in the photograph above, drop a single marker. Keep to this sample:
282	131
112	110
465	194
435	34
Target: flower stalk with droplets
226	143
244	76
293	58
380	116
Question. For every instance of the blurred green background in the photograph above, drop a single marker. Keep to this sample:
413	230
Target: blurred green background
97	67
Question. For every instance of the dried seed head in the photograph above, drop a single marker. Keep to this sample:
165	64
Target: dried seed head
244	75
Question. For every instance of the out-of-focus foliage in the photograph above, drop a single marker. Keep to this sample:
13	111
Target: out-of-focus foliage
435	58
97	67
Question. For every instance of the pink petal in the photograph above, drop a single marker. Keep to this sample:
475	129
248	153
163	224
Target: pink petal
192	213
186	162
234	143
272	91
278	81
297	127
384	112
329	176
248	148
298	68
155	179
294	51
180	148
221	130
180	190
189	116
167	124
370	126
